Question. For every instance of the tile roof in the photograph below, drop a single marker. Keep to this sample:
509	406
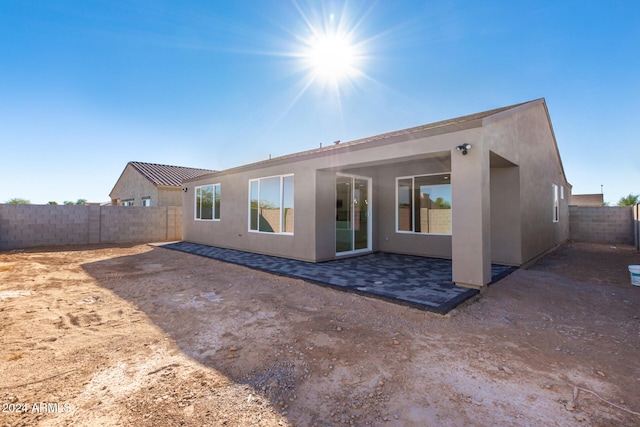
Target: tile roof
167	175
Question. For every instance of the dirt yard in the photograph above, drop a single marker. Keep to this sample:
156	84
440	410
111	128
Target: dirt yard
142	336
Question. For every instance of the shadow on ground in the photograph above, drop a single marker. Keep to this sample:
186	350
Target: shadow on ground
322	357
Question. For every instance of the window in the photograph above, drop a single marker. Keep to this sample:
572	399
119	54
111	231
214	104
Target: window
128	202
423	204
561	192
271	205
556	207
146	201
208	202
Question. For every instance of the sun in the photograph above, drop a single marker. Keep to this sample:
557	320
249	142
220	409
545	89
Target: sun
331	54
332	57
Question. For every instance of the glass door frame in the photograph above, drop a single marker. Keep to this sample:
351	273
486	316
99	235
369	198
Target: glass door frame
369	214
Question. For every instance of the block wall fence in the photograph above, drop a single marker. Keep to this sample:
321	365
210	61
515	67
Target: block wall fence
609	224
636	225
23	226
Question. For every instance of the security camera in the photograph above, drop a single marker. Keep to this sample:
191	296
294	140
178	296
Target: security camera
464	148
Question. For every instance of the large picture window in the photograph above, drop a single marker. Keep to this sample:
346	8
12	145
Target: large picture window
208	202
423	204
271	204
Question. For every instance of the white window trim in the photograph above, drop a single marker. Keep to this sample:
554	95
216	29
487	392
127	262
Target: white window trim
412	203
281	203
144	199
127	202
195	202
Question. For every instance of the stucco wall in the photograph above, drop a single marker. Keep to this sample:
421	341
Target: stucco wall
389	240
525	138
133	186
471	208
232	230
168	196
503	214
506	231
614	224
314	201
587	200
23	226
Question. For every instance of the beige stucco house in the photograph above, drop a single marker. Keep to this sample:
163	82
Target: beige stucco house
488	187
150	184
594	200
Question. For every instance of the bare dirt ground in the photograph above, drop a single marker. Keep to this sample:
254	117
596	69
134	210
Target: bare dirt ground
142	335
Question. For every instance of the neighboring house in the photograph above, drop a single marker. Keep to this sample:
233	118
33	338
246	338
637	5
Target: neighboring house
587	200
488	187
150	184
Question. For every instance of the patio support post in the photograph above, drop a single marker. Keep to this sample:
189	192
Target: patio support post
471	222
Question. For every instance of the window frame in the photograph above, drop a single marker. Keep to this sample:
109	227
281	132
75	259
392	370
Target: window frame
556	203
127	202
281	205
146	201
215	207
412	231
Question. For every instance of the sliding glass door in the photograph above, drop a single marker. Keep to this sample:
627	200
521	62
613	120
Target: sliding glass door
353	214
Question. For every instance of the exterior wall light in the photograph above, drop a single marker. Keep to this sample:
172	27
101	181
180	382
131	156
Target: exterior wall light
464	148
185	189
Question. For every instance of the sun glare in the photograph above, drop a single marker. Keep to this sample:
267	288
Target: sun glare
330	51
332	57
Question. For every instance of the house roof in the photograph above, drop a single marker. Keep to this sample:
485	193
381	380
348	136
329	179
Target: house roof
454	123
443	123
167	175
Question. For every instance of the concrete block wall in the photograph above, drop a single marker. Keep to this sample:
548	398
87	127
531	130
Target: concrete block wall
23	226
609	224
636	225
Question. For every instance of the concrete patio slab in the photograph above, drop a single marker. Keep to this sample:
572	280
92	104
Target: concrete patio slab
423	283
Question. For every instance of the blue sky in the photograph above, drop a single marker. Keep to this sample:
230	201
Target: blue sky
86	86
